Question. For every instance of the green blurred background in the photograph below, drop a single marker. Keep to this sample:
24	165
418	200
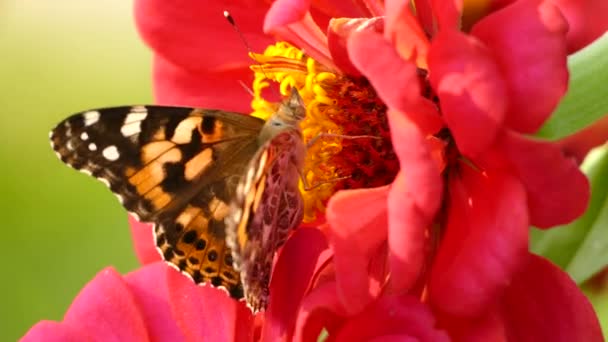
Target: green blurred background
59	227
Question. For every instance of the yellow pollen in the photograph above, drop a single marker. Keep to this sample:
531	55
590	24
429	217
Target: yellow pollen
290	67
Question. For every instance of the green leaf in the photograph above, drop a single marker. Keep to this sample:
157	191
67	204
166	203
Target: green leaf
586	100
581	247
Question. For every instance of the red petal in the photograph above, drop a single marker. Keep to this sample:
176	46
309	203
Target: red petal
486	239
204	313
337	34
422	174
291	278
586	21
471	90
358	222
395	79
413	201
106	309
528	40
152	296
55	332
390	316
321	309
285	12
195	35
343	9
404	32
174	85
143	241
407	240
448	13
558	192
544	304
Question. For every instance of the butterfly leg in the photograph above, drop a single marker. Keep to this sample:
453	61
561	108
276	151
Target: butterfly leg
309	187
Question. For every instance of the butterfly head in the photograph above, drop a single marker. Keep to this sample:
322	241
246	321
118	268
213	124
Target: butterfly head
288	116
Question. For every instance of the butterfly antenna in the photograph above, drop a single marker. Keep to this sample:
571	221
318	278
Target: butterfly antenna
230	19
232	22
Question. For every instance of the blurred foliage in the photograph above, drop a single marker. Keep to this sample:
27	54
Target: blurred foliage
59	227
586	100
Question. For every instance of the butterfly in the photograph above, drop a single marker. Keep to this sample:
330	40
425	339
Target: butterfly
221	188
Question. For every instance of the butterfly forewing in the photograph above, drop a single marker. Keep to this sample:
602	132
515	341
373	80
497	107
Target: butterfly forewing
176	167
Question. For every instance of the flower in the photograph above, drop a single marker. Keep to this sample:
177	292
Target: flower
438	248
479	87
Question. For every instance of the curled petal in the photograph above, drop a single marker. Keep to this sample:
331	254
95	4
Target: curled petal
189	33
176	86
544	304
285	12
143	241
580	143
470	87
358	222
204	313
107	309
534	67
291	278
291	20
395	79
337	35
557	191
586	21
486	239
403	30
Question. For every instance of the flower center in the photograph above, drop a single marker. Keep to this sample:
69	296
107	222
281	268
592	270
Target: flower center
338	108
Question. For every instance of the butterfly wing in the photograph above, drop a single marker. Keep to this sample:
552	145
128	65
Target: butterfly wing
267	206
176	167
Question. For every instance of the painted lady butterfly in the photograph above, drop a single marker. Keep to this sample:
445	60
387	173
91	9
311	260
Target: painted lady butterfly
221	188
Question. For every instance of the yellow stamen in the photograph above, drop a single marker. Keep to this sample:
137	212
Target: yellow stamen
335	105
289	67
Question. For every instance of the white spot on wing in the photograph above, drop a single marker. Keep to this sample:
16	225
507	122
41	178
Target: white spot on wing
84	136
90	117
130	129
132	123
111	153
136	115
92	147
69	145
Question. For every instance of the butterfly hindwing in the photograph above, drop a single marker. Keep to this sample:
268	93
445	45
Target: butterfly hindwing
267	206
